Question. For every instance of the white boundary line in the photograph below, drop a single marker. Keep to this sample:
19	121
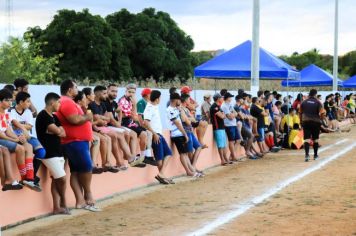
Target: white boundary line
322	149
242	208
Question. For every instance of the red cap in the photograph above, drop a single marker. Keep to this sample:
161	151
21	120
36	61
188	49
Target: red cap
145	92
185	89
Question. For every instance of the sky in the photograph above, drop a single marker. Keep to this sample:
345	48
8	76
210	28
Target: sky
286	26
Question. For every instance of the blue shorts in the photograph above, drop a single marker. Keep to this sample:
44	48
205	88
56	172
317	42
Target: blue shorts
220	138
9	144
161	150
193	143
34	143
78	155
232	133
261	135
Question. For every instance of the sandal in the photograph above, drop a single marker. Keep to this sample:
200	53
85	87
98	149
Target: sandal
161	180
170	181
204	146
112	169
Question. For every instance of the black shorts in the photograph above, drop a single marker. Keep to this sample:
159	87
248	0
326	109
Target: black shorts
181	144
245	133
129	123
311	129
138	130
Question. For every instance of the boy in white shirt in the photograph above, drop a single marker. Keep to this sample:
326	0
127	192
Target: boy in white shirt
160	147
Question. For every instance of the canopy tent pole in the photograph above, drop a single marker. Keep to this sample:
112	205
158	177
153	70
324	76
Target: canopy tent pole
255	55
336	32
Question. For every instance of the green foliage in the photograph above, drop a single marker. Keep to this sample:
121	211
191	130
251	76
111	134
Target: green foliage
155	44
19	59
201	57
347	63
91	48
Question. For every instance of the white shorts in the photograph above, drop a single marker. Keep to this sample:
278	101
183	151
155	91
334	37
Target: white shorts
55	165
119	130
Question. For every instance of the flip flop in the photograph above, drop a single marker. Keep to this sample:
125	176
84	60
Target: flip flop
161	180
122	168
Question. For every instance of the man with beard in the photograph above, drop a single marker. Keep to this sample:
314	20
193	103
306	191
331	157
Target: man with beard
78	129
116	118
102	118
127	105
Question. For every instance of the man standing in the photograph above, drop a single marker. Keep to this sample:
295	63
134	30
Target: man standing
161	150
231	125
78	129
205	108
311	122
217	119
178	135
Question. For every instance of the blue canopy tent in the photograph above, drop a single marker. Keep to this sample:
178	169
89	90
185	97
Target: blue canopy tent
311	75
236	63
350	82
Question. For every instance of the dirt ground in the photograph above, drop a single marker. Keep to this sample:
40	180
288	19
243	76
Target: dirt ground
322	203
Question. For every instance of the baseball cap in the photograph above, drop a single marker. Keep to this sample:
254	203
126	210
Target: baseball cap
146	91
207	95
228	95
131	86
185	89
217	96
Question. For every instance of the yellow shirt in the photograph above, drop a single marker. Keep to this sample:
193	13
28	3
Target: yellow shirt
289	120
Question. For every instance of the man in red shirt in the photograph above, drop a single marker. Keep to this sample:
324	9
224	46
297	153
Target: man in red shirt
78	129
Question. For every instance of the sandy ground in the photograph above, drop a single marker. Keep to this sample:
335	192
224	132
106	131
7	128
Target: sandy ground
323	203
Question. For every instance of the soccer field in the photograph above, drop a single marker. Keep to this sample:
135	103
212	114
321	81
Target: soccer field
277	195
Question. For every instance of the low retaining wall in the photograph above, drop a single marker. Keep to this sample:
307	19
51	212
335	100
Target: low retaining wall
19	206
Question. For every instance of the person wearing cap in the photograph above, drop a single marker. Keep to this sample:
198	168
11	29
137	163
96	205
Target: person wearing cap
142	103
231	126
178	134
217	120
205	108
311	122
127	105
201	125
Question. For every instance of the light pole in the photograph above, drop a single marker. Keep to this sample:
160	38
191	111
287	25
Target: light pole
255	54
336	32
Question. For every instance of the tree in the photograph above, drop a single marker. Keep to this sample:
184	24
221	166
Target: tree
91	48
19	59
155	44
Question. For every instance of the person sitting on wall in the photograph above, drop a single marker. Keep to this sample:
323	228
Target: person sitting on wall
22	85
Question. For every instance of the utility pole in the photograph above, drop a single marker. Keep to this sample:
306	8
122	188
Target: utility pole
8	14
336	35
255	54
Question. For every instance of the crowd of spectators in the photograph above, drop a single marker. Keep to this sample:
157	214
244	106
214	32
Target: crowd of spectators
86	128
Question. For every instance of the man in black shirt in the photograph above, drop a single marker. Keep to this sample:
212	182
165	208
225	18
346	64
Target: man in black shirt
102	118
311	122
217	119
259	113
49	133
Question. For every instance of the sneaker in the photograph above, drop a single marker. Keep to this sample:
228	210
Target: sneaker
30	184
307	158
14	186
316	157
97	170
150	161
